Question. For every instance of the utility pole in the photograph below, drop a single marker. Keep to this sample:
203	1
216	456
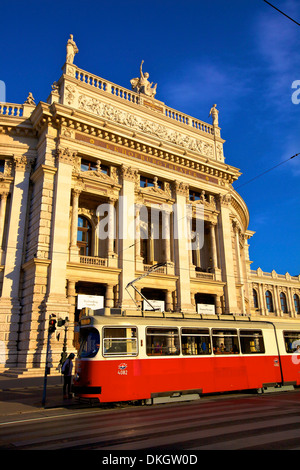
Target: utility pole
51	329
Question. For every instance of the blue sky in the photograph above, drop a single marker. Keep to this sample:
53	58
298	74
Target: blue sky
241	54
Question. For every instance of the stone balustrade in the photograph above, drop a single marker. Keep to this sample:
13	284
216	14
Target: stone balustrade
106	86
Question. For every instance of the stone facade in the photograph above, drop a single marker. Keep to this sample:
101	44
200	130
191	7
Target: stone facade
98	158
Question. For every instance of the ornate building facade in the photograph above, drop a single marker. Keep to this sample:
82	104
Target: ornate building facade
99	184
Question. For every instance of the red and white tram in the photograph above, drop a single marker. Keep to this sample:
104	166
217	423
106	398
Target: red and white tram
125	358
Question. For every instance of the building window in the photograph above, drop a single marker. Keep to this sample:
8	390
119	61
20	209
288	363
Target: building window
269	301
146	182
84	236
283	302
2	165
255	299
88	165
297	303
194	195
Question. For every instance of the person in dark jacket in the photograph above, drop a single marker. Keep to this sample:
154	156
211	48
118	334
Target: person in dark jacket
67	373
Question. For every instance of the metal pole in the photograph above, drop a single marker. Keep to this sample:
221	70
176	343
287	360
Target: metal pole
46	370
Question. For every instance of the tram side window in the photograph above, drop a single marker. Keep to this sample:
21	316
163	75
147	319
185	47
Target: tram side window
292	341
195	342
120	341
252	342
89	342
162	342
225	341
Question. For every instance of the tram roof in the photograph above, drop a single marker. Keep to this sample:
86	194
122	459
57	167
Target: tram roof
138	317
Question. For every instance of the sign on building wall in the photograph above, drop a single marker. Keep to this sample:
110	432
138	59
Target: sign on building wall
207	309
159	305
90	301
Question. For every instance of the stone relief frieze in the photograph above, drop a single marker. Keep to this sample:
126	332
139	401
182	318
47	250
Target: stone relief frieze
107	111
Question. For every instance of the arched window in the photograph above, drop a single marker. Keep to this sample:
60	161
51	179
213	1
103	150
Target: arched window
297	303
255	299
283	302
269	301
84	236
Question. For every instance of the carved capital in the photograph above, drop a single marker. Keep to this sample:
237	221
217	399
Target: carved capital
23	163
181	188
129	173
65	155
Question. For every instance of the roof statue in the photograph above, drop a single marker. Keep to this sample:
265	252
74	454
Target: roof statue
141	84
72	49
30	99
214	113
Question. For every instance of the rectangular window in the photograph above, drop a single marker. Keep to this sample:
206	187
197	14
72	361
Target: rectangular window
87	165
120	341
252	342
292	341
162	342
225	341
195	342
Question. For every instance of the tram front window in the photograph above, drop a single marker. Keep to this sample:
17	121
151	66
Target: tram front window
90	342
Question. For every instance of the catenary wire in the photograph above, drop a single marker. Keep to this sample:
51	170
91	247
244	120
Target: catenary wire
284	14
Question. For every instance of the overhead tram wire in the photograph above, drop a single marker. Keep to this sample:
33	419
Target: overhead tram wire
267	171
284	14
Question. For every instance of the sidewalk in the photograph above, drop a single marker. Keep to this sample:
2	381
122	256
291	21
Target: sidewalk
25	394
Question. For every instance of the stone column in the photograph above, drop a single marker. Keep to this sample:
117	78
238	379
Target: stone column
236	230
109	296
9	301
213	245
166	232
169	300
227	255
111	227
182	246
127	233
74	251
2	219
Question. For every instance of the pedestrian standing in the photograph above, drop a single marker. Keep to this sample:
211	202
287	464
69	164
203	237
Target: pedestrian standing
67	373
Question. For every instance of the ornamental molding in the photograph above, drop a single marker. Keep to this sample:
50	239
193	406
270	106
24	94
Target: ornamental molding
65	155
137	123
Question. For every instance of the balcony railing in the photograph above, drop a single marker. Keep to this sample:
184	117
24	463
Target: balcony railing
98	83
93	260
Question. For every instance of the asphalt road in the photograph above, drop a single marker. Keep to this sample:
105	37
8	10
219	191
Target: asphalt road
229	422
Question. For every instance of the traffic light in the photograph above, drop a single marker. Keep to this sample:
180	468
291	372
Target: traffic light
52	324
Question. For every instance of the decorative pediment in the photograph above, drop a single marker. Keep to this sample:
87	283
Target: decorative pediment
155	191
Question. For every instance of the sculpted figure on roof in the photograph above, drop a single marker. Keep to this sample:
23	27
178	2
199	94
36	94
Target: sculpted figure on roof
141	84
72	49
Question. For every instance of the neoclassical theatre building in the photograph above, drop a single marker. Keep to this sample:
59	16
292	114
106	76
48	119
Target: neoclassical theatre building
101	185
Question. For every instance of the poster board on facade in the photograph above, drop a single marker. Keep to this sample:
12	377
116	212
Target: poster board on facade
206	309
159	305
90	301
